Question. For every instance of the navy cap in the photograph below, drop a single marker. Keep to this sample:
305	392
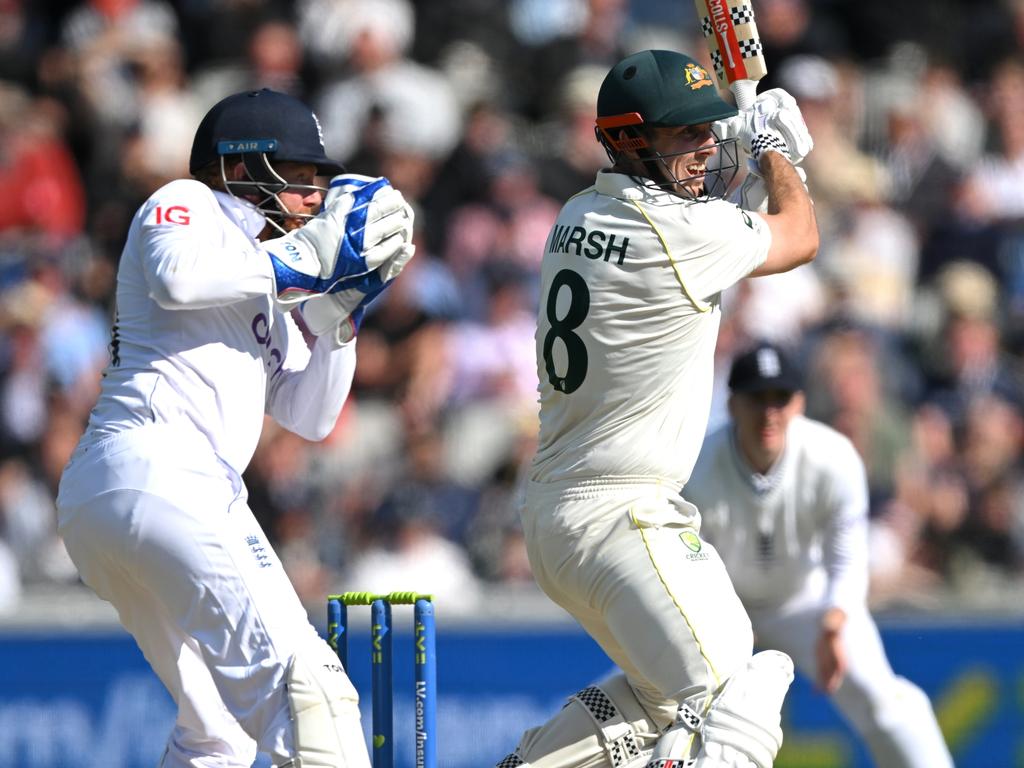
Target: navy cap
262	121
765	367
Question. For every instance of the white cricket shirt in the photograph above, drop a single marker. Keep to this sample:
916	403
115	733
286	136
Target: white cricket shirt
806	518
626	332
196	338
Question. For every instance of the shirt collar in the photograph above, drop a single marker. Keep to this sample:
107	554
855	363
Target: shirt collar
626	187
761	484
243	213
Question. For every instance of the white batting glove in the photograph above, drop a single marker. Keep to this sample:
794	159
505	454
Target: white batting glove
363	223
775	124
730	127
342	310
752	194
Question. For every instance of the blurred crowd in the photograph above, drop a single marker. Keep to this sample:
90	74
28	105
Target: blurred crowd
910	324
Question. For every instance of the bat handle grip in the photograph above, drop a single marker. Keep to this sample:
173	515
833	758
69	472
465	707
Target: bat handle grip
745	93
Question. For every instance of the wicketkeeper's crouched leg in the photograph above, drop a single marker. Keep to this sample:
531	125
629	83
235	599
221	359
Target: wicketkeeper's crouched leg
324	710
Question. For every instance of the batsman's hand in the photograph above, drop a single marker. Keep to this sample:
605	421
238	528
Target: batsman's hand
342	310
363	223
774	123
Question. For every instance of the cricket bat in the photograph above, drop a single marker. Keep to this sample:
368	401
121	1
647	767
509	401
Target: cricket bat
735	47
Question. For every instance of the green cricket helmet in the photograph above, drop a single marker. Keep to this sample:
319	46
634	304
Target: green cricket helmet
663	89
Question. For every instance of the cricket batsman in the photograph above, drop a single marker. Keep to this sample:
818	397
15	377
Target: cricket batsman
630	305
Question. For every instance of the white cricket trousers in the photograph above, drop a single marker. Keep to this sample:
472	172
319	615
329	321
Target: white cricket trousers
892	715
160	528
624	559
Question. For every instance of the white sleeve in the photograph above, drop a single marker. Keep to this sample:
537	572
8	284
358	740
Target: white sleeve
733	244
307	394
846	530
187	262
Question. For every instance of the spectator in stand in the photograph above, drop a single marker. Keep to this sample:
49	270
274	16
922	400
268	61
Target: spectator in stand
273	59
22	37
791	28
494	537
407	542
505	232
106	39
156	146
600	39
921	178
853	395
384	101
997	184
463	179
967	360
570	156
839	173
929	491
992	469
41	191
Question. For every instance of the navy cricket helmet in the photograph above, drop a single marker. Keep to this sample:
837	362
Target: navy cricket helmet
261	128
285	128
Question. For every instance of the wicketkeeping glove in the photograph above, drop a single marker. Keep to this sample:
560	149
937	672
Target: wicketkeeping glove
363	223
774	123
342	310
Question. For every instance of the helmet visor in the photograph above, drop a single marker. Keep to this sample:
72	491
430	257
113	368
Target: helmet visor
263	184
707	171
693	174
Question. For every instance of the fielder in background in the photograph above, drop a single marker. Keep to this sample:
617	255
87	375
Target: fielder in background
205	341
784	500
631	282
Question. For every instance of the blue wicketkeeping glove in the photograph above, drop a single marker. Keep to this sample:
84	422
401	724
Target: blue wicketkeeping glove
342	309
364	222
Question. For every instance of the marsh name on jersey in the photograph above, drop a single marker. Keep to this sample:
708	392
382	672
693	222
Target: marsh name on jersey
592	243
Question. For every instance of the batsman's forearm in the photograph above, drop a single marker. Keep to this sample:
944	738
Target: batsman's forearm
789	202
790	216
786	192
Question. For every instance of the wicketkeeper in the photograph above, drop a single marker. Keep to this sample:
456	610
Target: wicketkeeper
152	506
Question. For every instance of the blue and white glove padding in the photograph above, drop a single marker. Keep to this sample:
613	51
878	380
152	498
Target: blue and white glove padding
774	123
363	223
383	226
342	310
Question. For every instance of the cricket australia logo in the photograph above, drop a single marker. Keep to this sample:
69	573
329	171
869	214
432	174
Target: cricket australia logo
694	544
696	76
